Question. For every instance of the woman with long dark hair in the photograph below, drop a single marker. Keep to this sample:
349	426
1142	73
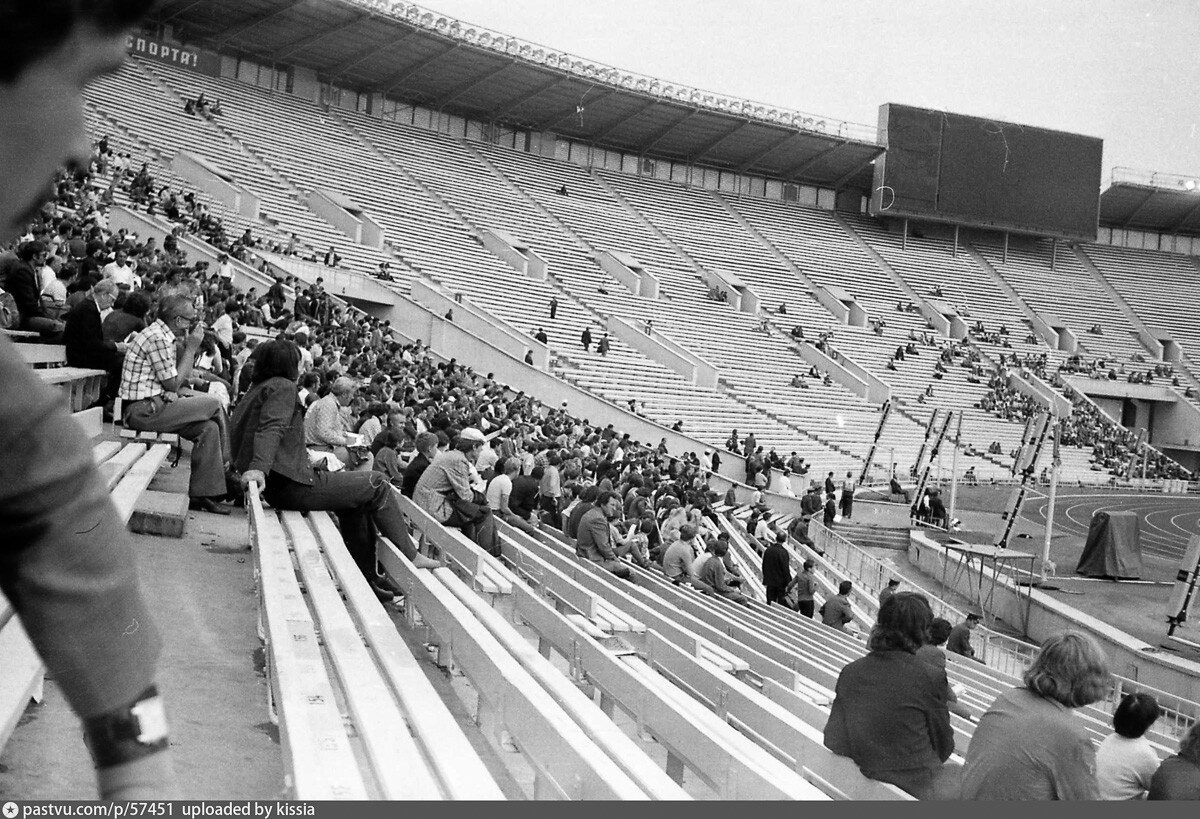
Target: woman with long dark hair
268	450
889	712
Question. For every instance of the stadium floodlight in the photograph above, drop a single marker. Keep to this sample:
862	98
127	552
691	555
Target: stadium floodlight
539	56
427	19
413	13
485	39
470	35
1190	184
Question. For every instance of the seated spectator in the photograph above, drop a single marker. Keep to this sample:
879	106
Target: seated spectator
836	612
154	390
931	652
385	453
446	492
709	572
127	317
1178	777
83	337
24	285
595	540
1029	745
325	425
427	448
1125	760
889	711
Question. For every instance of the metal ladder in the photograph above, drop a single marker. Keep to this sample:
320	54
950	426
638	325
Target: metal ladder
1025	464
923	479
884	412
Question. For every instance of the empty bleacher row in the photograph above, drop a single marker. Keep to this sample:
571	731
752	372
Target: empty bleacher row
433	194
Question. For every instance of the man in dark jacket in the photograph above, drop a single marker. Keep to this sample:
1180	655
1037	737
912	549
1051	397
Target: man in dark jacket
776	570
595	535
23	284
83	337
836	611
810	504
427	445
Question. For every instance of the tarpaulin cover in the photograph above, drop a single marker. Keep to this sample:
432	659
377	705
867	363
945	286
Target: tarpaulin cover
1112	548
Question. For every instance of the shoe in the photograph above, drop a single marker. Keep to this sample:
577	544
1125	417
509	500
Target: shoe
384	595
208	505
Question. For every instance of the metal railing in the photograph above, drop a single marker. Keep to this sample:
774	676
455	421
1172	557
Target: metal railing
1005	654
601	74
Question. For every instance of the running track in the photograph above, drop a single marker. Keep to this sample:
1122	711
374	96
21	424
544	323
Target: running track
1167	521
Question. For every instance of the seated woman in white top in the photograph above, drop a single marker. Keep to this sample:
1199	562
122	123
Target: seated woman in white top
1125	760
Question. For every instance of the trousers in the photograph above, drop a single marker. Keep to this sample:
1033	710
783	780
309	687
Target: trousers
196	418
363	502
807	607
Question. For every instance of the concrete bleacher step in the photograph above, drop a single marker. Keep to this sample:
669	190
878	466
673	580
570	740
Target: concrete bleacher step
160	513
865	534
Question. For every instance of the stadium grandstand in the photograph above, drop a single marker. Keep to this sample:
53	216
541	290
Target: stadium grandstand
469	447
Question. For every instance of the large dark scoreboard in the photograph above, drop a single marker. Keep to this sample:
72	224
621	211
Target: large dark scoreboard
976	172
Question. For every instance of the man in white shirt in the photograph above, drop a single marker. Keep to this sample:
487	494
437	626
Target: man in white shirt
225	268
121	271
223	326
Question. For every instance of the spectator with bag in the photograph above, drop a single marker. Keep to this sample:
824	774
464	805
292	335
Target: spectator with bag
446	492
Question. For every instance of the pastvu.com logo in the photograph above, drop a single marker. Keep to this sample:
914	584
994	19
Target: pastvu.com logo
10	810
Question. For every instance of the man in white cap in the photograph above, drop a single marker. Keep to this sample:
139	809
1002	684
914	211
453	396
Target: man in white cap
445	491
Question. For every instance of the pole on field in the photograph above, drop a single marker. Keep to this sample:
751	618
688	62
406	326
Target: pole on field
1043	574
954	468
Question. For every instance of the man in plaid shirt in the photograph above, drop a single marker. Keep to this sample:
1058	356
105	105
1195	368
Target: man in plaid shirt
151	392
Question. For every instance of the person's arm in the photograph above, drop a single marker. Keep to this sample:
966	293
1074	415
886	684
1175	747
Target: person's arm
837	734
68	568
459	478
937	716
170	374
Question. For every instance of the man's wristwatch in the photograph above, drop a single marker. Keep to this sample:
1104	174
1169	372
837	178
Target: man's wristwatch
128	733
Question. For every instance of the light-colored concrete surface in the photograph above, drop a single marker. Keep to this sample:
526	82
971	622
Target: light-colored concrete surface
201	593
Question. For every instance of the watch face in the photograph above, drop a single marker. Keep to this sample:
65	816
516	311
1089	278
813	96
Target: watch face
151	718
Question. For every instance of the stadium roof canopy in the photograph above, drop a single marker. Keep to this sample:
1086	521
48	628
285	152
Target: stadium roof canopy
1162	203
415	54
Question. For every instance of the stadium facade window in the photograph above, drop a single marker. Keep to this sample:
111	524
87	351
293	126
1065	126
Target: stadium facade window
422	117
229	67
728	182
457	126
630	164
774	189
613	160
791	193
826	199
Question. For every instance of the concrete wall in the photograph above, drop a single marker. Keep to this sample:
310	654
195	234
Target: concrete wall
629	278
217	183
1047	616
661	348
876	390
480	323
1175	423
336	281
834	305
362	229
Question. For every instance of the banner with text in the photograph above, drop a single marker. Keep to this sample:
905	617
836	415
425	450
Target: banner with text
194	59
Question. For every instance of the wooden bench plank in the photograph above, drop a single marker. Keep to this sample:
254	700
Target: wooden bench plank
466	554
21	680
43	355
119	463
127	492
567	761
399	770
319	761
592	719
104	450
455	762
